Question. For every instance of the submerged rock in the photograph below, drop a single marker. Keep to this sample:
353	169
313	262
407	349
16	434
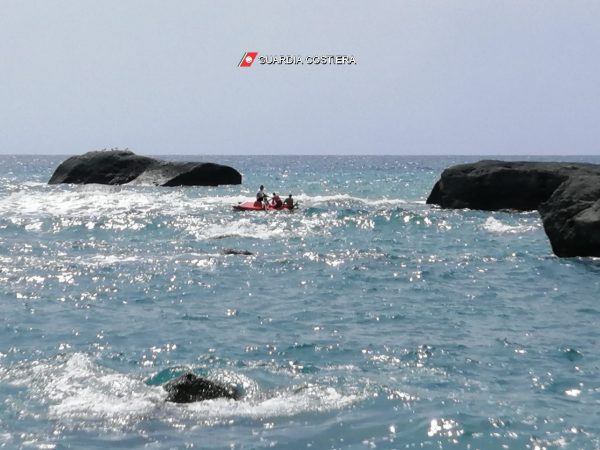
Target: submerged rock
232	251
123	166
190	388
567	195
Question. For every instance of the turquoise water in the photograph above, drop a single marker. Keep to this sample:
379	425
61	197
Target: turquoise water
365	319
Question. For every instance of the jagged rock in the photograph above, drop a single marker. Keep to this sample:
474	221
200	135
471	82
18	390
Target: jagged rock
191	388
567	196
123	166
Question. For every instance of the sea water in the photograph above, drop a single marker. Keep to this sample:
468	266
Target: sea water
363	319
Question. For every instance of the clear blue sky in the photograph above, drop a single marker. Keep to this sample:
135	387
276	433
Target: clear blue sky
432	77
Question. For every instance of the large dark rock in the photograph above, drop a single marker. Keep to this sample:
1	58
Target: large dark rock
567	196
191	388
494	185
124	166
571	217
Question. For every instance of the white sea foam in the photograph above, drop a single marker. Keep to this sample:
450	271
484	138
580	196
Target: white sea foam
261	225
125	208
306	200
91	202
80	393
78	388
288	403
317	200
496	226
243	227
26	203
101	201
109	260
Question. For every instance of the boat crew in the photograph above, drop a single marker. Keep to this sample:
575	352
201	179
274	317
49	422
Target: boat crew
261	197
289	202
276	201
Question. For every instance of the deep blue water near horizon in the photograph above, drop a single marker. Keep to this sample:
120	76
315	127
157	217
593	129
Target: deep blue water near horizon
365	319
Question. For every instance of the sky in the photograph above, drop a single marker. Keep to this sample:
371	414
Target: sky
431	77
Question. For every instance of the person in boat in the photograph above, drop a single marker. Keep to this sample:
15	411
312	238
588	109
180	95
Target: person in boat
261	197
289	202
276	201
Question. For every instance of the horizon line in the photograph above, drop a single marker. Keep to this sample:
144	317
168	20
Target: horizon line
311	154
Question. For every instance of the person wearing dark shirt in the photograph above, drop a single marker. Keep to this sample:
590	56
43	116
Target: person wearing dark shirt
289	202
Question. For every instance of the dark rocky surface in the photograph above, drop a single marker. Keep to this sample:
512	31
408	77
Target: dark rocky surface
190	388
123	166
571	217
232	251
567	195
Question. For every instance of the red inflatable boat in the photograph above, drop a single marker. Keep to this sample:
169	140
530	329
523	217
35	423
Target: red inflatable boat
258	206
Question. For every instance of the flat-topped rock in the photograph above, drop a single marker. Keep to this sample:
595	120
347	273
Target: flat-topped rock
494	185
567	195
123	166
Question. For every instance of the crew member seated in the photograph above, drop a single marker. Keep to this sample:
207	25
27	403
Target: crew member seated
289	202
276	201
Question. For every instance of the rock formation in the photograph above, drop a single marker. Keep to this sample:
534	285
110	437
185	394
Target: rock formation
571	217
124	166
232	251
191	388
567	195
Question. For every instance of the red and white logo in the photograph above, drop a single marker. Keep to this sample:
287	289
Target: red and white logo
247	59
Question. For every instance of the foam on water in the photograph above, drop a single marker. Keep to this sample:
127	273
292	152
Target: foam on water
346	199
76	390
96	201
79	393
300	400
241	228
494	225
85	201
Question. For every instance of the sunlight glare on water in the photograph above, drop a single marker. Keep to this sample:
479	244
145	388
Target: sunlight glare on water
365	318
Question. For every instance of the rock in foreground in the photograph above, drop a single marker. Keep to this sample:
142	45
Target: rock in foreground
191	388
123	166
566	195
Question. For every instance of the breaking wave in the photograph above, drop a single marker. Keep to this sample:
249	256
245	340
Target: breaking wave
81	394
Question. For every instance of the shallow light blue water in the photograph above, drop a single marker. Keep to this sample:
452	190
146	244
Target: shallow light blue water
365	319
